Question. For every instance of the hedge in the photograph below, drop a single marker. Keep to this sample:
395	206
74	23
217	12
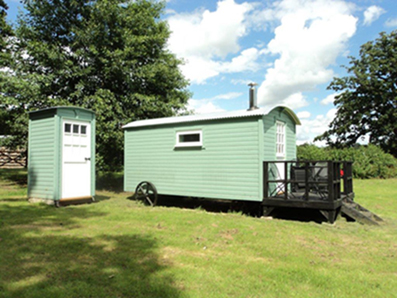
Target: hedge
369	161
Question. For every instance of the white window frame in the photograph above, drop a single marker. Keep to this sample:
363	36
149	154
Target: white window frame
280	139
179	144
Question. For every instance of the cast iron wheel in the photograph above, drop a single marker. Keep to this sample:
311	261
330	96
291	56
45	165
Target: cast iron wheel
146	192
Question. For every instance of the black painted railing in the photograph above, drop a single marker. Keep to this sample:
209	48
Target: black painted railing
307	180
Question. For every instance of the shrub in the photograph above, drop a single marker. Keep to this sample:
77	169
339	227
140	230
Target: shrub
369	161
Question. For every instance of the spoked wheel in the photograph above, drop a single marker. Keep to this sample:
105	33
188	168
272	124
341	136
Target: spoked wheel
146	192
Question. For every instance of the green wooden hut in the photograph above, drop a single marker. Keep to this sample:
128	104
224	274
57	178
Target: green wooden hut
217	155
61	155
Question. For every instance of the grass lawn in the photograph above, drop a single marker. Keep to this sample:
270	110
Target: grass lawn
120	248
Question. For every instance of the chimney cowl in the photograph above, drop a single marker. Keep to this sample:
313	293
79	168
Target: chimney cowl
252	97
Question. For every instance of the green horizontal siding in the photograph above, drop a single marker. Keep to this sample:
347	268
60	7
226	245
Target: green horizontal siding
227	166
269	123
45	150
41	161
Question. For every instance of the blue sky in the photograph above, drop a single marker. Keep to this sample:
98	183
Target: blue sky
291	48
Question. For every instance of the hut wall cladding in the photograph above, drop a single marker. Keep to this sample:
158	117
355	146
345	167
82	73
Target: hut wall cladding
42	146
12	159
269	123
227	166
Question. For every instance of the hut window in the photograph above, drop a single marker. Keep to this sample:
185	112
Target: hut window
280	139
191	138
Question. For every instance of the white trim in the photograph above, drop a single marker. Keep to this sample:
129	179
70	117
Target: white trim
280	142
179	144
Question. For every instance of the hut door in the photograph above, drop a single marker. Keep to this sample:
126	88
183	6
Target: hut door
280	154
76	159
281	175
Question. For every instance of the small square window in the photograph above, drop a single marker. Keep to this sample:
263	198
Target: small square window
83	129
68	128
189	139
75	128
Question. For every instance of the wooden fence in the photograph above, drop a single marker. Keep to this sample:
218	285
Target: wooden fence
12	159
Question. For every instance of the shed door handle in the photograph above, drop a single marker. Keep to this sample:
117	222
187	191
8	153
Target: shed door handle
87	158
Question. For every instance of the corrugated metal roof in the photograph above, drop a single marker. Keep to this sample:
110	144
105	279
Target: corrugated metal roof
205	117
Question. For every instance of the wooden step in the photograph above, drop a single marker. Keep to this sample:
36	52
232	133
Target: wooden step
357	212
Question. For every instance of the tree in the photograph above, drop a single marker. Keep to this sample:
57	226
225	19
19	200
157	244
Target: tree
5	33
106	55
367	104
5	59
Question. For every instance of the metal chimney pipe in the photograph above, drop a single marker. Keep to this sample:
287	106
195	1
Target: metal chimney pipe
252	97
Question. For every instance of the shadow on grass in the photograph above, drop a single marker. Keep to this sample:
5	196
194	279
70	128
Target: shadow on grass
17	176
47	252
109	181
100	198
14	200
210	205
299	214
253	209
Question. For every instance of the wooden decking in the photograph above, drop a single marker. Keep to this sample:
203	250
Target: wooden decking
309	184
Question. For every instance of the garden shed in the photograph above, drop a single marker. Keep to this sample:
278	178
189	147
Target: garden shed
61	155
217	155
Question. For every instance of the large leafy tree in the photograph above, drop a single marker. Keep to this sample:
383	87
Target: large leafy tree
367	103
106	55
6	33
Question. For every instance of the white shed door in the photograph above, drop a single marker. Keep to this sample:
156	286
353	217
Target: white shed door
76	159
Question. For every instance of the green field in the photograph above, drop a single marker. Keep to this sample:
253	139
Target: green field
118	247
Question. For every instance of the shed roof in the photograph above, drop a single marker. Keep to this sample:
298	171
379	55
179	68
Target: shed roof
54	109
212	116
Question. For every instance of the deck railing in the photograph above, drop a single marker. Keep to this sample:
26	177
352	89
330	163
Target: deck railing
307	180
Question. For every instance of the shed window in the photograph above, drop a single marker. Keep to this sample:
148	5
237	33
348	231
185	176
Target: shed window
83	129
75	128
189	138
68	128
280	139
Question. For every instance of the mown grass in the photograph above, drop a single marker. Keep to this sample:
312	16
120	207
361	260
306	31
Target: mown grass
120	248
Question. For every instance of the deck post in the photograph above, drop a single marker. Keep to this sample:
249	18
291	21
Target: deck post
338	186
265	179
347	178
330	169
286	180
307	189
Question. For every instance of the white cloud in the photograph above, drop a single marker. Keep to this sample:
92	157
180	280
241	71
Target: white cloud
391	22
240	82
295	101
203	106
229	95
246	61
198	69
303	115
372	13
205	38
329	99
310	37
208	105
312	128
